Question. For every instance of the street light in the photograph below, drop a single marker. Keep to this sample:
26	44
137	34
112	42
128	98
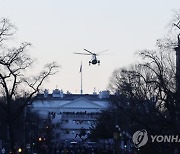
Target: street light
39	139
19	150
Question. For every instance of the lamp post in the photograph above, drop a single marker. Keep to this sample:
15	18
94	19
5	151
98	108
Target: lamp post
122	141
177	49
116	139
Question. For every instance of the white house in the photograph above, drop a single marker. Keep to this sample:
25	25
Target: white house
74	112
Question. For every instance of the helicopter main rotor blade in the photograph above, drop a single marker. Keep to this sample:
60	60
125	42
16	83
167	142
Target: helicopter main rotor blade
89	51
82	53
102	51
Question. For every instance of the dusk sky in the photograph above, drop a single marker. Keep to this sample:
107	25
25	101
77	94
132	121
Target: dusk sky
57	28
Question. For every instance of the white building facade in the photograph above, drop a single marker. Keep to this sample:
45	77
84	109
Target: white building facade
73	112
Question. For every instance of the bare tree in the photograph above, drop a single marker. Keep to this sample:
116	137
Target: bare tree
15	84
6	30
152	86
151	82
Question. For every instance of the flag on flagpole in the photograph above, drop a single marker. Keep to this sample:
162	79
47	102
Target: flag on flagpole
81	77
80	68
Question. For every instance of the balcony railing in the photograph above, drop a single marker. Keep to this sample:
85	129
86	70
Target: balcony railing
79	117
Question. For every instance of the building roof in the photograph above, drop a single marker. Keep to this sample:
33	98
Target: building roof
58	95
69	97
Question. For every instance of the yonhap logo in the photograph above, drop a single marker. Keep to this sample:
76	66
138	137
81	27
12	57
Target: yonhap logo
140	138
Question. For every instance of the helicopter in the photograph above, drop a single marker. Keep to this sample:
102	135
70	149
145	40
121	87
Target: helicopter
94	59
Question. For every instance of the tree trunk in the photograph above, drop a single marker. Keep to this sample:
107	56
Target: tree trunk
11	138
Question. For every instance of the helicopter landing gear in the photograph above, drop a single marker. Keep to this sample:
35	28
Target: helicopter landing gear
94	63
98	62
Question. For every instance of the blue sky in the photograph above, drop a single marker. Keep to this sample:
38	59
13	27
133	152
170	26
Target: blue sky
57	28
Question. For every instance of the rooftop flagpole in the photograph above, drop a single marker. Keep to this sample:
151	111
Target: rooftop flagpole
81	78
